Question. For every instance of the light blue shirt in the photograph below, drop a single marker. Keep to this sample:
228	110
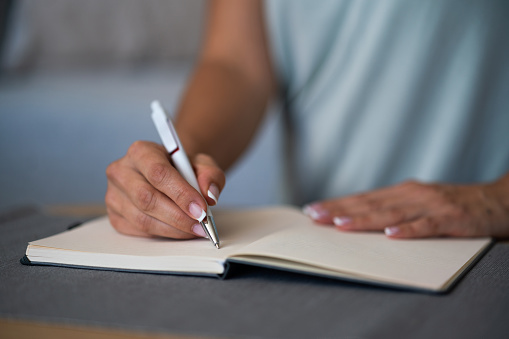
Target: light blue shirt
378	92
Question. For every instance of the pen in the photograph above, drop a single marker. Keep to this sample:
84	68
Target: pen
180	160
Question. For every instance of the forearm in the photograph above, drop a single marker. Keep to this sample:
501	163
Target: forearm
232	84
220	112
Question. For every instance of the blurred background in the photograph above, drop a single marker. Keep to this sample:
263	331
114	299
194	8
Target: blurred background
76	81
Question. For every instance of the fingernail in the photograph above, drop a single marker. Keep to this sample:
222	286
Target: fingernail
196	211
198	230
391	230
341	221
213	192
315	211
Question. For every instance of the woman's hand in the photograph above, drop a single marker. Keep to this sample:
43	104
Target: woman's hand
146	195
417	210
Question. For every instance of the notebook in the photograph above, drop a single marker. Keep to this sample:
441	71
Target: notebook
280	237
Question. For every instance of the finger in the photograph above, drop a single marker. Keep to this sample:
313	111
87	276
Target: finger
138	194
409	192
146	198
211	178
347	208
365	201
152	162
120	224
150	227
379	220
421	228
130	220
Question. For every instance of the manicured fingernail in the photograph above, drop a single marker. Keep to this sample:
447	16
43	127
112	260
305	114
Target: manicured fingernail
391	230
213	192
341	221
196	211
315	211
198	230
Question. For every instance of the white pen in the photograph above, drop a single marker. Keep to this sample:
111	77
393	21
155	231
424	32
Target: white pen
181	162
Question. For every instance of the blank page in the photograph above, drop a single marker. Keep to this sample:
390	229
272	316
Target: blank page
424	263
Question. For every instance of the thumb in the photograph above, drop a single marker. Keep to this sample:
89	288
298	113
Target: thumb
211	177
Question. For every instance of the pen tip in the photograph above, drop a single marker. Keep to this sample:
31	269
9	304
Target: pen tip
217	245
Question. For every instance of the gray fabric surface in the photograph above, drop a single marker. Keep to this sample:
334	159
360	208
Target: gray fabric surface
252	303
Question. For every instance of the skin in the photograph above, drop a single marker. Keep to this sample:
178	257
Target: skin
220	113
418	210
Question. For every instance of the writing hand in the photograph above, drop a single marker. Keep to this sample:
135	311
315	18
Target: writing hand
146	196
417	210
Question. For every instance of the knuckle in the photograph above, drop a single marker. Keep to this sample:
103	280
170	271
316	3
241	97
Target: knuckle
146	198
181	221
116	222
108	198
458	211
364	222
446	201
414	229
204	159
372	205
411	184
143	223
428	189
136	147
157	173
178	194
112	170
366	201
419	188
431	226
397	216
200	157
360	199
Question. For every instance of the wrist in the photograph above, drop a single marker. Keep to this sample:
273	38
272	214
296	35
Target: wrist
498	191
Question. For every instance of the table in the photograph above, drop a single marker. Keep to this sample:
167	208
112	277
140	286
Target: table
251	303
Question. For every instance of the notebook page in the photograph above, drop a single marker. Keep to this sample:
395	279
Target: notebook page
236	229
426	263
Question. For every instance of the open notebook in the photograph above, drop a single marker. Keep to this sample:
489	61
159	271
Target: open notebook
277	237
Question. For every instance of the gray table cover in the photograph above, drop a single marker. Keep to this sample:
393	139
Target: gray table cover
251	303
